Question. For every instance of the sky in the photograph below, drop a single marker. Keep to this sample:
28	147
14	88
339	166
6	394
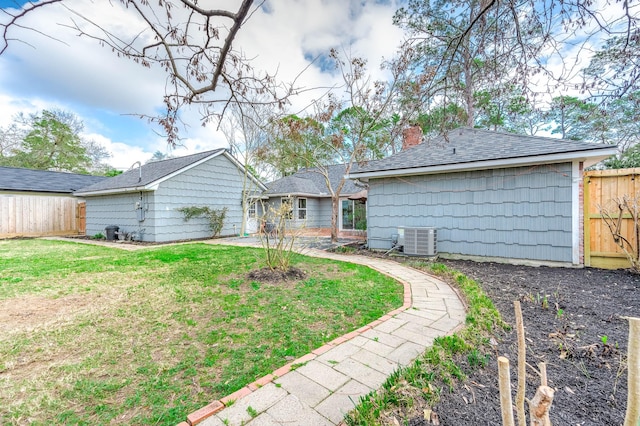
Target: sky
59	70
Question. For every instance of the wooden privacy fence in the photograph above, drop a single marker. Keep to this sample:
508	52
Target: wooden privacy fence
32	215
601	189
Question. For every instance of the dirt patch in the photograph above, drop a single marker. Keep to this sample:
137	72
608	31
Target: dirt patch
29	313
574	321
267	275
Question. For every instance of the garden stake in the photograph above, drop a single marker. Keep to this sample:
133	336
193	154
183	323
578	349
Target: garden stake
504	381
632	417
539	406
543	382
522	361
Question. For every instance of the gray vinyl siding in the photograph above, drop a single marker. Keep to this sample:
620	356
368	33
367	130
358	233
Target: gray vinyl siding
217	183
519	213
323	213
119	210
318	212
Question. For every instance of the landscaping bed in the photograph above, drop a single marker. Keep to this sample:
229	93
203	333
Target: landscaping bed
574	322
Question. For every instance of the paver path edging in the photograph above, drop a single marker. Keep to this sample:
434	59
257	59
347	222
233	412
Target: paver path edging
329	381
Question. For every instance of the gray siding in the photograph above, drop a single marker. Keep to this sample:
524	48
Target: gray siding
318	212
519	213
323	213
116	210
216	183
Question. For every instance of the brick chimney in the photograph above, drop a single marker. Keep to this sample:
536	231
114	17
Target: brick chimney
411	136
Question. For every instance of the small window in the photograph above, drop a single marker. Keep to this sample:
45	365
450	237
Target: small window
302	208
251	212
289	203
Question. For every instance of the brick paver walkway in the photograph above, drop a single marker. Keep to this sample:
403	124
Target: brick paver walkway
335	376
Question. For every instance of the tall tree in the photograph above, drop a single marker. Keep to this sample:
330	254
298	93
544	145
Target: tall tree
52	140
577	119
614	70
458	48
246	128
355	127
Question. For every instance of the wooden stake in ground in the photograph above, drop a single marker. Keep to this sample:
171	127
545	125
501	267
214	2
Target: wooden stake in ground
539	406
504	381
522	365
632	417
543	382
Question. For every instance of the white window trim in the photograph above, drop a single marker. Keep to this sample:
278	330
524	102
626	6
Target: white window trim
301	209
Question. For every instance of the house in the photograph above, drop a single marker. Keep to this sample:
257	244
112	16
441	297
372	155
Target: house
145	200
310	200
40	202
488	195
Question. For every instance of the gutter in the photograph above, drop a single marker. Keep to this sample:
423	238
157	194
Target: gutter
117	191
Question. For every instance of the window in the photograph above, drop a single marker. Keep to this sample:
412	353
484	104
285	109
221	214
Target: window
289	211
251	211
354	214
302	208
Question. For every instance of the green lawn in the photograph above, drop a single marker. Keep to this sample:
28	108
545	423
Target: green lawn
93	335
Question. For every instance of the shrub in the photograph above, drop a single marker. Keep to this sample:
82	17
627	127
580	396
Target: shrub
214	216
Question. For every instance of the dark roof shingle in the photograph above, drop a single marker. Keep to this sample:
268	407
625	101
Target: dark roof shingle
18	179
148	173
467	145
312	182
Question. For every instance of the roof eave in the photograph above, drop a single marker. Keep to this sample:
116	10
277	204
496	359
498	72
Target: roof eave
146	188
588	157
297	194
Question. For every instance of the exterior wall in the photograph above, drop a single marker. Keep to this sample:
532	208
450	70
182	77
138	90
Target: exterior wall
322	213
318	212
216	183
119	210
516	213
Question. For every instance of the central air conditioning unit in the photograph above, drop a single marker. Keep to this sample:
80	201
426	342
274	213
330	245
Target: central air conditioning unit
417	241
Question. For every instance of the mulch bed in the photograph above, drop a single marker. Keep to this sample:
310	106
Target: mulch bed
268	275
567	314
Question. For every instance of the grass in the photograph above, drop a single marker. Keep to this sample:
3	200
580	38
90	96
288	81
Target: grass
95	335
409	390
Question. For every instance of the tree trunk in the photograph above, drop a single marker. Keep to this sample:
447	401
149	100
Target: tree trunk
335	204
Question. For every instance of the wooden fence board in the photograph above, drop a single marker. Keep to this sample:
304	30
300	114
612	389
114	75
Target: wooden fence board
601	189
34	215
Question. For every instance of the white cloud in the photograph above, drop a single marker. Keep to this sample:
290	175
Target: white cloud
123	155
81	76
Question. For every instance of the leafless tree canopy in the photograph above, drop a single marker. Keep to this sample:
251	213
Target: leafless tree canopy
455	47
193	44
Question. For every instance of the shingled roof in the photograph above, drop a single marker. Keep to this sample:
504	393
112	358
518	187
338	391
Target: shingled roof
151	174
311	182
28	180
467	148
